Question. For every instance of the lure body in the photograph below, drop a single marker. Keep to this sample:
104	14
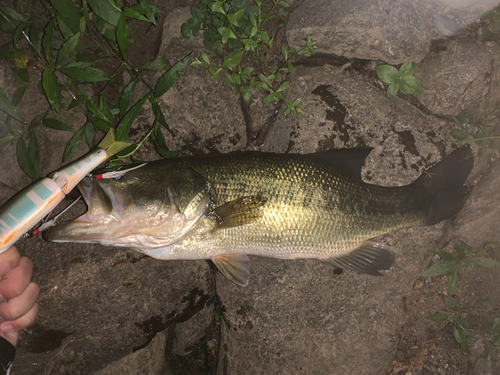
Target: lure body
34	202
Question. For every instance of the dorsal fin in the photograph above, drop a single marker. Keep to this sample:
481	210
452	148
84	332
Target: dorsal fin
350	160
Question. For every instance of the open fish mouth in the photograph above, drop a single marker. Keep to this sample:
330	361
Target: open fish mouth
138	210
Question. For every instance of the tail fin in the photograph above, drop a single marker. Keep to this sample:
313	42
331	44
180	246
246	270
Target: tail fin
444	184
112	146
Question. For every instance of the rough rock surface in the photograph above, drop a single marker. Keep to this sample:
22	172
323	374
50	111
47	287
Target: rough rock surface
98	305
473	224
206	114
343	111
385	30
459	75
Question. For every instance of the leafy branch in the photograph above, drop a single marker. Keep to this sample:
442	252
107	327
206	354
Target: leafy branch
79	48
235	29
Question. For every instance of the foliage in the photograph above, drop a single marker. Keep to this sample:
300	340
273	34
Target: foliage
235	29
78	48
455	318
481	130
402	79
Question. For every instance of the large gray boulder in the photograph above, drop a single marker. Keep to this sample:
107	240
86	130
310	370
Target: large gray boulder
386	30
459	75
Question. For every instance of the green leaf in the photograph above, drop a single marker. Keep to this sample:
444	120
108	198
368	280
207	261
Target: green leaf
84	73
126	96
445	255
125	123
158	64
284	86
283	4
121	34
481	262
73	144
461	338
410	85
36	121
453	279
159	115
4	141
132	13
52	89
67	48
387	73
107	10
9	108
5	25
459	134
47	39
35	39
161	146
436	270
448	301
101	114
407	68
12	13
217	7
89	135
25	161
57	125
68	13
233	18
438	317
170	76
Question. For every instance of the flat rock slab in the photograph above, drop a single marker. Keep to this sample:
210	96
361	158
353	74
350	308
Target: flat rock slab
303	317
393	31
342	111
99	304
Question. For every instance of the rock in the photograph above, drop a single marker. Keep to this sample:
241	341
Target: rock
99	305
303	317
478	221
387	30
342	111
203	114
452	85
150	359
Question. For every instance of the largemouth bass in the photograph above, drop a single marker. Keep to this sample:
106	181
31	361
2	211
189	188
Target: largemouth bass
225	207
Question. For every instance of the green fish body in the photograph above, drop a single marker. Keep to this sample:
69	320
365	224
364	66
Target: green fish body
275	205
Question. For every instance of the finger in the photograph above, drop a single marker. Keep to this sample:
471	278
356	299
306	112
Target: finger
9	259
10	329
14	282
15	308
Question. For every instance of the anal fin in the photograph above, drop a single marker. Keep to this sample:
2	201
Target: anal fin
369	259
235	267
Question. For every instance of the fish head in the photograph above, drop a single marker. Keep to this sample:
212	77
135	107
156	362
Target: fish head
147	208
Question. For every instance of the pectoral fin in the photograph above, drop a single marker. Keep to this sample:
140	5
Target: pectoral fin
369	259
237	212
235	267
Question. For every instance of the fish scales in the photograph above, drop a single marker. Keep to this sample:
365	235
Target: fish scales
313	210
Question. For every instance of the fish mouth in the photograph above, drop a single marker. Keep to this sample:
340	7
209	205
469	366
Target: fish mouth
103	208
143	210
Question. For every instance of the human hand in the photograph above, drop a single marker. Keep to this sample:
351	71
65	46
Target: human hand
18	306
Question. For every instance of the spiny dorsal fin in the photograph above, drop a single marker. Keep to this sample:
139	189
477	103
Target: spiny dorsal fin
369	259
235	267
349	159
237	212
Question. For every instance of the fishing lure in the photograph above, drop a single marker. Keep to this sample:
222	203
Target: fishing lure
31	204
